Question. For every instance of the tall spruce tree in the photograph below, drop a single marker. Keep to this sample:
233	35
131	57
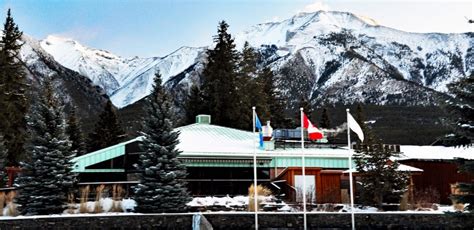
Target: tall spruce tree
3	161
12	92
107	131
273	102
460	109
75	133
381	180
162	187
194	104
219	86
461	114
249	91
47	176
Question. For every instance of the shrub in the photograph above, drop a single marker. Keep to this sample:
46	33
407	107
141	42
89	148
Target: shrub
261	191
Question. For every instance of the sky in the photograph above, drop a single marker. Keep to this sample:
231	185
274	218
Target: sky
158	27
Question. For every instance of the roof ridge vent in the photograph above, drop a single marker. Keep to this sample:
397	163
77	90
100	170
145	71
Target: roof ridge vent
203	119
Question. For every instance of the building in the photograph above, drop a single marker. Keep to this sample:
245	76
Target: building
219	161
440	171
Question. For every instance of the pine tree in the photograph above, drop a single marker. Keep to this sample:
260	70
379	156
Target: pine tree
75	134
219	86
461	114
194	104
461	109
3	161
12	92
47	176
107	131
162	187
325	121
249	89
380	180
274	105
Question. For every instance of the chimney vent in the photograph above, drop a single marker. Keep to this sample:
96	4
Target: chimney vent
203	119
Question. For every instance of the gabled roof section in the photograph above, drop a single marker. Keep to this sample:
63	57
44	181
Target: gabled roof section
81	162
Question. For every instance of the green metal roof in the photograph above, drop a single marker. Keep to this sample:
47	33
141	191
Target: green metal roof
217	146
81	162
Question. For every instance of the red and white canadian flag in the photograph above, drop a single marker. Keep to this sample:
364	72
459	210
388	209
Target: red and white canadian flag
313	132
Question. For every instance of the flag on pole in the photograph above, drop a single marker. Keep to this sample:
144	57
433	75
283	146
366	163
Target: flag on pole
258	125
354	126
313	132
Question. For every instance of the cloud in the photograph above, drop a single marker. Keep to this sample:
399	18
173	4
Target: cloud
315	6
81	34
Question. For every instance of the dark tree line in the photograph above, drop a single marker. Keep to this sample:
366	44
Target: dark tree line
232	83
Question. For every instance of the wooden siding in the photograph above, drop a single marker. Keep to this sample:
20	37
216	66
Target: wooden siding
330	187
437	175
328	184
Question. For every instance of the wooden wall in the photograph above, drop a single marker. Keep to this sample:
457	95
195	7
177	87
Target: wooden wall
328	183
437	175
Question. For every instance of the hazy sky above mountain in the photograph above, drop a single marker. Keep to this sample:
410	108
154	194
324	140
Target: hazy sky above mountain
156	28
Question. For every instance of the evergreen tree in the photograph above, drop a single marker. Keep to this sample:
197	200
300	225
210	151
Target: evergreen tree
250	88
380	180
274	105
12	92
162	187
461	109
107	131
219	86
75	134
3	162
47	176
249	91
325	121
194	104
461	114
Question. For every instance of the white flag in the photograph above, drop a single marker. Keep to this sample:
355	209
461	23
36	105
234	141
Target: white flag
354	126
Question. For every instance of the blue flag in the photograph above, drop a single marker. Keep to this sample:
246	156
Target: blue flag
258	125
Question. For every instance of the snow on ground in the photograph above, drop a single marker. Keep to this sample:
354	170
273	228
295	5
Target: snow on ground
128	206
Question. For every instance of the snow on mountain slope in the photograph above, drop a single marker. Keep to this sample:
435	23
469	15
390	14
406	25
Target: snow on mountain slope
73	88
100	66
125	80
410	53
326	46
140	85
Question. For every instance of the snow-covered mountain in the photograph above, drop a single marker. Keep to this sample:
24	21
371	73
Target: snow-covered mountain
328	57
126	80
75	89
347	57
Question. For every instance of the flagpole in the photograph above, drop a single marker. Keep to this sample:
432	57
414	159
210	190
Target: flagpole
303	169
255	197
350	170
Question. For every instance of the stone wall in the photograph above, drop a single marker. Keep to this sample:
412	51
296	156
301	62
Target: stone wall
246	221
